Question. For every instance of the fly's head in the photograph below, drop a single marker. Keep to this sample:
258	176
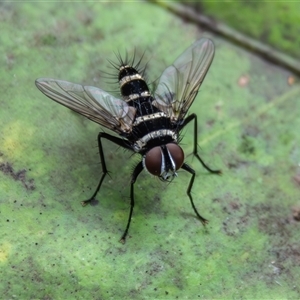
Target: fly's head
163	161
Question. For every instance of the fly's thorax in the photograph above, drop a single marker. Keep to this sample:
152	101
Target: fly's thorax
163	161
131	82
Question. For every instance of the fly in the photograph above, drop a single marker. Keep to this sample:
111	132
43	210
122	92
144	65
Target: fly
148	123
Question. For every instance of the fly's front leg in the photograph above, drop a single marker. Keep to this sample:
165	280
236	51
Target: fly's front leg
188	191
193	117
115	140
137	170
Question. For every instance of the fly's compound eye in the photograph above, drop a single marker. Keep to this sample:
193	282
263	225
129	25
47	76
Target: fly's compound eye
153	161
163	160
176	154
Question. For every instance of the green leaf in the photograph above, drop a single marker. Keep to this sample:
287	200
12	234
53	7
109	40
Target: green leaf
248	118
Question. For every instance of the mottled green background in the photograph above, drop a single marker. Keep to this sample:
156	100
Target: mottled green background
273	22
52	248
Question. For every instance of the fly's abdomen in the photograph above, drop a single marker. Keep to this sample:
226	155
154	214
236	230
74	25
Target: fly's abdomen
132	84
150	126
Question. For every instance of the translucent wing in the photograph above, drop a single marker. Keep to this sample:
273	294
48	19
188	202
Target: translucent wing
91	102
179	83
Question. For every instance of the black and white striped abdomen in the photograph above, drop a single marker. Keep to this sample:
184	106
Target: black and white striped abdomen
132	84
151	127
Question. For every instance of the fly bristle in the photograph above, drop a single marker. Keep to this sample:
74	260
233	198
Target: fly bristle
111	77
126	61
180	136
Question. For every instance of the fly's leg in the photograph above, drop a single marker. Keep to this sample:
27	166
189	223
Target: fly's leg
193	117
137	170
188	191
115	140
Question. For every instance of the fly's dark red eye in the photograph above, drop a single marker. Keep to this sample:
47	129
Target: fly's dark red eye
153	161
176	154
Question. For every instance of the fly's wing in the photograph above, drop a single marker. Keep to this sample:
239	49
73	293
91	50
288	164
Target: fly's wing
91	102
179	84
